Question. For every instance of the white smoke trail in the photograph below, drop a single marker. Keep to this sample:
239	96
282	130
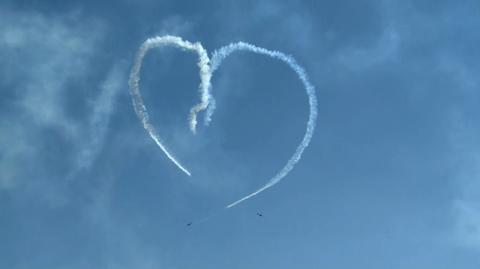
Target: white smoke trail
208	102
134	83
224	52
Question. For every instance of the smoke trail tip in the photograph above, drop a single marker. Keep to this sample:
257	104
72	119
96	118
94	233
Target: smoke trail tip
185	170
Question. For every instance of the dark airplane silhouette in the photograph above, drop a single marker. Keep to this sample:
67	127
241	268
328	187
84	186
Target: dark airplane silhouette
189	224
259	214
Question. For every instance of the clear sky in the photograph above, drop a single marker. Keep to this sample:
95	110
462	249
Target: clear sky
391	178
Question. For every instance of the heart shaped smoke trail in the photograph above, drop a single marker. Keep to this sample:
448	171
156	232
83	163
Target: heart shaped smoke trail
208	102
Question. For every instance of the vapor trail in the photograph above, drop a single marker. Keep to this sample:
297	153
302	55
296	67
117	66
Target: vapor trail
224	52
134	83
207	101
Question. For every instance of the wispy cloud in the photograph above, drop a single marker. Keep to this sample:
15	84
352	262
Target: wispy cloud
93	136
40	133
465	169
383	50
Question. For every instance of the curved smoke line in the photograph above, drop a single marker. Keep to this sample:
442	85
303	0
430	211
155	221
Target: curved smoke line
224	52
134	83
208	102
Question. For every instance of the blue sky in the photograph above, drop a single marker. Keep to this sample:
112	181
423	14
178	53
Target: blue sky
390	180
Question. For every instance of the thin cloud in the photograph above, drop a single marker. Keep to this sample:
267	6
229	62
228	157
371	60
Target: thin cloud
44	56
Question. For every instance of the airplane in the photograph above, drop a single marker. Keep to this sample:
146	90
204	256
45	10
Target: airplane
259	214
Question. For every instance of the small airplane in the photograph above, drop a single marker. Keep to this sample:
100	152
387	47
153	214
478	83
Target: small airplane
189	224
259	214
